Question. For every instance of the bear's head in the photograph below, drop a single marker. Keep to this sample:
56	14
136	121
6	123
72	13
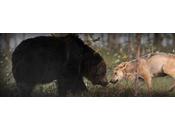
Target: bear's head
94	67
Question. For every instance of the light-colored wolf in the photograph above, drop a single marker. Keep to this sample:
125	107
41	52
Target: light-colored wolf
147	67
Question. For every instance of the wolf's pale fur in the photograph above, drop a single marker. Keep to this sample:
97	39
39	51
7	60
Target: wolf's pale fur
147	67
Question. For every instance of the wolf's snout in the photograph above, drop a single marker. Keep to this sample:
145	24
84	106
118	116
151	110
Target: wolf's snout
113	81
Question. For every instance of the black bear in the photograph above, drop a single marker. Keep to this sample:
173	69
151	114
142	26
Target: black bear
65	59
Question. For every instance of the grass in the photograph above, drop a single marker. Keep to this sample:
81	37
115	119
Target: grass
161	85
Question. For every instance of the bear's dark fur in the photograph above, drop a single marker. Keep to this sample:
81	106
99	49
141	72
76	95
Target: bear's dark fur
65	59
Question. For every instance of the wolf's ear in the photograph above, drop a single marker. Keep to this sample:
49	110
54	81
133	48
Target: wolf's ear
125	65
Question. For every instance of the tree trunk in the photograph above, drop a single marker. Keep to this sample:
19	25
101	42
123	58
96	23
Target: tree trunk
113	42
129	47
7	44
102	38
87	39
173	39
157	41
138	48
